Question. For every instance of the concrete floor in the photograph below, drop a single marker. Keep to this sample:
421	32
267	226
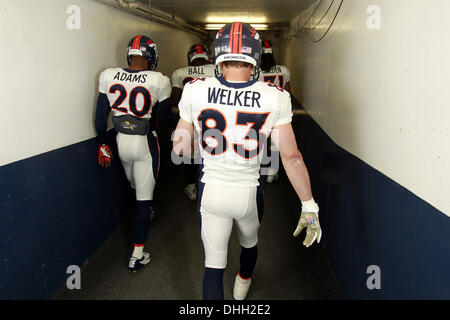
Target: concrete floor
286	270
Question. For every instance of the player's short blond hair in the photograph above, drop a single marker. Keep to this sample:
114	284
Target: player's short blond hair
237	64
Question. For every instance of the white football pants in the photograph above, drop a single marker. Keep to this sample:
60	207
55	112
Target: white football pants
140	159
219	207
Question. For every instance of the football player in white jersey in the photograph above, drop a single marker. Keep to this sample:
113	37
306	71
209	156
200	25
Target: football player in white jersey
233	117
281	77
133	95
270	71
199	65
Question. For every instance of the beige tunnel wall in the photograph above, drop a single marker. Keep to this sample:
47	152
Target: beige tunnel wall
378	85
50	69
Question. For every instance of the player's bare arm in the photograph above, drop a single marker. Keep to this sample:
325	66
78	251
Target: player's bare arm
183	138
287	87
284	139
175	96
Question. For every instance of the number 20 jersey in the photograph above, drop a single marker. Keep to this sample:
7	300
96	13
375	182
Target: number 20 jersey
233	121
134	92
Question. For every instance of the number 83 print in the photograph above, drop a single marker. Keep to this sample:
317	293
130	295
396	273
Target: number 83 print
213	125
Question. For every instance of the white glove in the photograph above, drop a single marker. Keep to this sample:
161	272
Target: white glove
309	219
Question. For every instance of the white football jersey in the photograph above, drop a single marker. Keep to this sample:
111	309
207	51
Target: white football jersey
233	121
278	75
184	75
134	92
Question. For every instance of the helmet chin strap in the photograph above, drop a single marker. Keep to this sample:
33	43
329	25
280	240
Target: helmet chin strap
255	73
151	66
218	70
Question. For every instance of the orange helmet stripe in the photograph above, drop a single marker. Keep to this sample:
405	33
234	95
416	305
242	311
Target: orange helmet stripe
136	42
240	38
232	38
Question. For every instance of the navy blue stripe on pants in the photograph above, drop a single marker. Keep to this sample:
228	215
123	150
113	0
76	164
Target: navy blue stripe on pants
201	187
260	198
153	146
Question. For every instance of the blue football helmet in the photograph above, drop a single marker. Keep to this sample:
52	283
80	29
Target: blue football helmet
197	51
238	41
145	47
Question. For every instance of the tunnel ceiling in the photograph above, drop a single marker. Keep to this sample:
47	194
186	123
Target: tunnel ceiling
213	11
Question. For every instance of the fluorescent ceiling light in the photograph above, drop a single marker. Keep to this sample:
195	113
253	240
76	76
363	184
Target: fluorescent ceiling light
232	18
214	26
218	26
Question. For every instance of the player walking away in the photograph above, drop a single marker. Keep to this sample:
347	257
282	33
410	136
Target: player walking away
281	77
272	72
198	66
133	95
233	117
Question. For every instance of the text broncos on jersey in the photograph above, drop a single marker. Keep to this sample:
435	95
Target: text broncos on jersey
124	76
233	97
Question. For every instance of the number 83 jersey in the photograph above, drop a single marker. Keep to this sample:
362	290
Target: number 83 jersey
134	92
233	121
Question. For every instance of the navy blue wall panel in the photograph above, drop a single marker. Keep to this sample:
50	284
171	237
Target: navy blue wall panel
368	219
56	209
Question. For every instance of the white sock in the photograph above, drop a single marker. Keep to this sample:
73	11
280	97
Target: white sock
138	252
